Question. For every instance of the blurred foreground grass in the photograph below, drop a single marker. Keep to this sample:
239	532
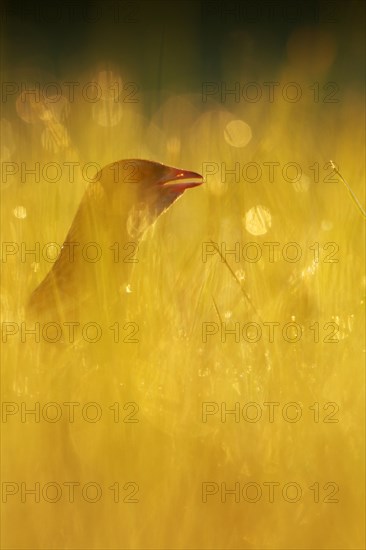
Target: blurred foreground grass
170	293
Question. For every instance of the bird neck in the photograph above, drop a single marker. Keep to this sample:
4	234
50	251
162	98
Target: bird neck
94	263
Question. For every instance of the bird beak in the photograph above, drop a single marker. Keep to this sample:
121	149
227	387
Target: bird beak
177	181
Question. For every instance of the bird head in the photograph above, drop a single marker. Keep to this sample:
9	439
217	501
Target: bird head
145	188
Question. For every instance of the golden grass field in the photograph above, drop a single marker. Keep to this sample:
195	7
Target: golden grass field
165	458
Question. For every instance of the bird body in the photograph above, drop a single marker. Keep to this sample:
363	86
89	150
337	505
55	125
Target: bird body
125	198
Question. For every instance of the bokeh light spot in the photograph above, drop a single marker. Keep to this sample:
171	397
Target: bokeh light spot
20	212
258	220
237	133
